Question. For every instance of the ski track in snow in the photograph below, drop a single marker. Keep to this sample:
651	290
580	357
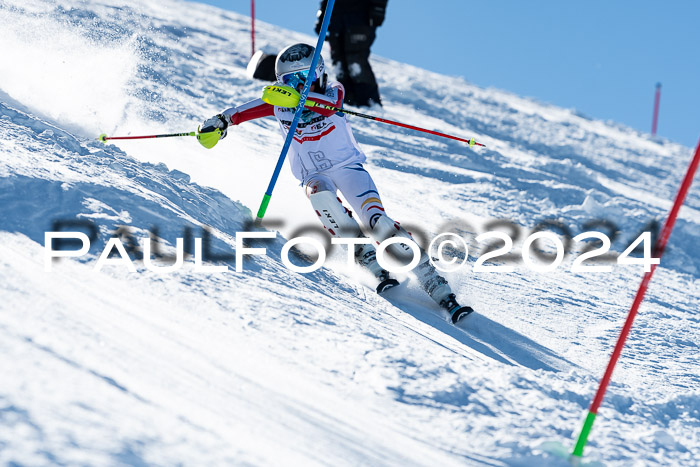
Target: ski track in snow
270	367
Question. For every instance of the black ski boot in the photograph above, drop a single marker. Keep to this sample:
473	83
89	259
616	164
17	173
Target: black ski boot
456	311
386	282
366	256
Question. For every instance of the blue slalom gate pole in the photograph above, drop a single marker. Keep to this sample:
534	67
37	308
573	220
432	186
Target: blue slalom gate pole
297	113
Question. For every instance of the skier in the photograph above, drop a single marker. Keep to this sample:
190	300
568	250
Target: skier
325	157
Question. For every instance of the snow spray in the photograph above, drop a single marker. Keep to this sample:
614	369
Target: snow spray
66	74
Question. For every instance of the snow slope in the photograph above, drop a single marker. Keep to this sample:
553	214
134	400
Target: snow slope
267	366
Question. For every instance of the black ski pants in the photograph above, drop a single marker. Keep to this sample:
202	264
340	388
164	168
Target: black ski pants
350	39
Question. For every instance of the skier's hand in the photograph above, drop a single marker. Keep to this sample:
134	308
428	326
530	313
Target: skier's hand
212	130
217	121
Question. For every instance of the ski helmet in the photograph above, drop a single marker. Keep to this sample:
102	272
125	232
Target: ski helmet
293	63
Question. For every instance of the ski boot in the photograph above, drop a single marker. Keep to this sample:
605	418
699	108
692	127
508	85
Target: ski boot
366	255
386	282
456	311
439	290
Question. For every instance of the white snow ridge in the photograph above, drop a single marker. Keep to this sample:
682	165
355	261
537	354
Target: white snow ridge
270	367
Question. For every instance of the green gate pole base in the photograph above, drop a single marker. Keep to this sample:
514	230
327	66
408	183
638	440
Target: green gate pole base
583	437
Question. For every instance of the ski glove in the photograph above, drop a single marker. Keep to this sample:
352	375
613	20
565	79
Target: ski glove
217	121
212	130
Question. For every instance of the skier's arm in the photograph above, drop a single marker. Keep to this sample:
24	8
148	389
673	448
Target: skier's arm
256	108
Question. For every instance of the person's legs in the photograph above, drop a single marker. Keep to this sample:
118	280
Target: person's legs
334	216
336	39
358	38
338	221
358	188
356	184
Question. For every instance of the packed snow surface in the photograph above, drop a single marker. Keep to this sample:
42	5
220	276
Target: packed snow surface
265	366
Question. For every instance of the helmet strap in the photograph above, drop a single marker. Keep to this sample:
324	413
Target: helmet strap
322	80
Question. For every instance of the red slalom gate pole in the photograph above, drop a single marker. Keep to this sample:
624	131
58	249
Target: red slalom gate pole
655	118
658	250
252	27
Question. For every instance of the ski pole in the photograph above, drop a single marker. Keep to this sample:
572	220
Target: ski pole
104	138
284	96
470	141
297	114
207	139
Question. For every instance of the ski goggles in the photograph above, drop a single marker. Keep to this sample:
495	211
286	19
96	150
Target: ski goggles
297	78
